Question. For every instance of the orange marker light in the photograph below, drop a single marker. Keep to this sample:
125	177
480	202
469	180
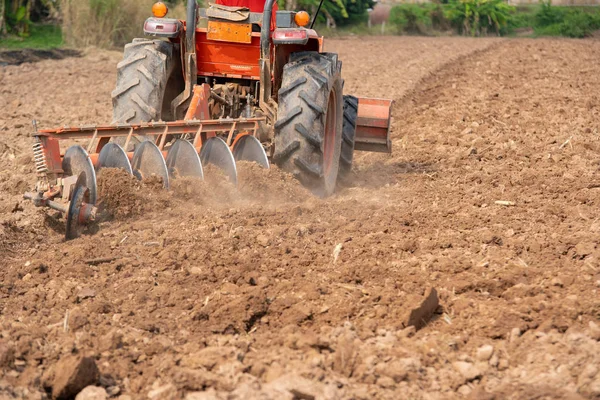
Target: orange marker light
302	18
159	9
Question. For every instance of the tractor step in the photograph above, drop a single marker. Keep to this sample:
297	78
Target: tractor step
373	125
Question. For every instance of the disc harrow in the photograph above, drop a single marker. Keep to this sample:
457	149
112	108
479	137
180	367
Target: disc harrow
67	180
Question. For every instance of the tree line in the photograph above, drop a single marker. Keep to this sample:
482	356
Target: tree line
17	16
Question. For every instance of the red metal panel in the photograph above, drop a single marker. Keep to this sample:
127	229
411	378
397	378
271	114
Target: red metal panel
373	125
52	154
227	58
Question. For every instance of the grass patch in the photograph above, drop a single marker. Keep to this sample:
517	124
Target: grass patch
495	17
570	22
41	36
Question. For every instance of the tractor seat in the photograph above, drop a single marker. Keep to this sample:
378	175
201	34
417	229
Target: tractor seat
240	10
229	13
256	6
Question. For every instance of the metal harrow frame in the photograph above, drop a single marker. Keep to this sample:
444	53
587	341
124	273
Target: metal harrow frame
67	181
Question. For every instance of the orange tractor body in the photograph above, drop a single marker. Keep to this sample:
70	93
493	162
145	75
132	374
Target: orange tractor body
241	85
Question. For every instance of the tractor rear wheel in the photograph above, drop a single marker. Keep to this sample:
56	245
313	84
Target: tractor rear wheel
348	135
308	130
148	79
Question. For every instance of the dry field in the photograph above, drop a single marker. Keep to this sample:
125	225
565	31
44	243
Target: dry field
211	293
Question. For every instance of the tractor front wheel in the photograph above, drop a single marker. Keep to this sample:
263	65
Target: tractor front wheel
308	130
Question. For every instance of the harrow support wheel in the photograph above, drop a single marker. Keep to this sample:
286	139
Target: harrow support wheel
308	130
79	207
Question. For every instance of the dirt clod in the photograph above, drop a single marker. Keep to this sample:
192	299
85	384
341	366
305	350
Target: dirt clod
420	315
120	193
7	355
72	374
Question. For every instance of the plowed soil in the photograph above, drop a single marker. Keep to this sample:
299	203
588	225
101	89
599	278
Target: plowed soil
490	199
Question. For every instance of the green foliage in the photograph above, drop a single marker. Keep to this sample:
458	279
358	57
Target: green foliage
341	12
548	15
20	14
523	18
483	17
17	18
550	30
40	37
357	11
478	17
563	21
411	18
437	16
469	17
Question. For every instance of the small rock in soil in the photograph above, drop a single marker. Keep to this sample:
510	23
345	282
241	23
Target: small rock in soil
195	270
298	387
494	361
515	333
77	319
556	282
386	382
73	373
344	360
398	370
92	393
208	395
86	293
594	333
263	240
484	353
465	390
503	364
165	392
467	370
113	390
209	357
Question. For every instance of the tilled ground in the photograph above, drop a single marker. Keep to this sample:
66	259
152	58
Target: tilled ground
490	198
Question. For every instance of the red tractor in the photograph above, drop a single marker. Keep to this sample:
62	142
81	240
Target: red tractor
240	85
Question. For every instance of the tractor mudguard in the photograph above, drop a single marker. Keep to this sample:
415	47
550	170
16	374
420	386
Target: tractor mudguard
373	125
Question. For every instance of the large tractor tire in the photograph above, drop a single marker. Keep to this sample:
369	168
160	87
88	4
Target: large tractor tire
308	130
348	135
148	79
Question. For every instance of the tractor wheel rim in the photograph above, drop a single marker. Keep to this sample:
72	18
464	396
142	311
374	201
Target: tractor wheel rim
329	140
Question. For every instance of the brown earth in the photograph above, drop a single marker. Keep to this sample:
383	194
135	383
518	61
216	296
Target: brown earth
491	197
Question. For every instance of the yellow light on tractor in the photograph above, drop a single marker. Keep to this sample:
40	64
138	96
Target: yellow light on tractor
159	9
302	18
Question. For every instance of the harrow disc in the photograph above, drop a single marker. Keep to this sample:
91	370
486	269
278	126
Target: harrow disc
248	148
76	161
113	156
80	197
183	160
147	161
215	151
